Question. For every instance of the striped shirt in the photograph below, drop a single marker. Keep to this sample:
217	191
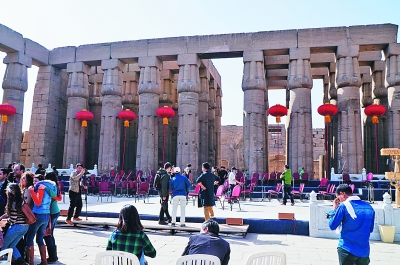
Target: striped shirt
16	217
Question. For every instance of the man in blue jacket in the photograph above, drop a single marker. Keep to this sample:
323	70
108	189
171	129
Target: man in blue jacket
179	185
354	220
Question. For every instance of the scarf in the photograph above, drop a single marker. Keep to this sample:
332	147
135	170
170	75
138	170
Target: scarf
349	209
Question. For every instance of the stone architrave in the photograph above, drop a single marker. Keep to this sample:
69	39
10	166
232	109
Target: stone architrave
299	125
348	79
77	94
254	120
188	112
212	104
110	128
15	84
204	96
149	91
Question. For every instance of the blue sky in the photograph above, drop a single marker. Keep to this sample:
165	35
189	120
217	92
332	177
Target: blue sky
73	23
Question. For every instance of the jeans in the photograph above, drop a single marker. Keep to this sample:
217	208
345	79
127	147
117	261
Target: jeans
75	202
37	229
50	241
181	200
164	209
346	258
13	236
287	190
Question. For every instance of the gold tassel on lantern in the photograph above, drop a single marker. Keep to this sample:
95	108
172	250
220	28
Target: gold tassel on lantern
278	119
327	119
165	121
375	119
126	123
4	118
84	123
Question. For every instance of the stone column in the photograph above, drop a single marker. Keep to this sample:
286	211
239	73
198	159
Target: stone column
217	136
366	90
77	94
130	100
203	116
95	104
212	104
15	84
368	132
254	120
188	112
47	126
299	124
167	78
380	95
348	79
174	121
333	126
149	90
393	81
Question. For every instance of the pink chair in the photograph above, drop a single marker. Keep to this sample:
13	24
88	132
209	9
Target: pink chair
234	198
272	179
299	192
331	194
104	190
132	187
219	194
275	192
248	191
143	191
296	178
322	183
194	194
326	191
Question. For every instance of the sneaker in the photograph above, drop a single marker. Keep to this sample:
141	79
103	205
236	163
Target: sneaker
173	225
169	221
77	219
69	222
183	225
292	203
283	203
162	222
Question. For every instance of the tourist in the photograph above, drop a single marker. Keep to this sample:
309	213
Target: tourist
354	220
55	170
3	185
41	209
232	179
222	174
206	196
188	173
74	192
14	176
163	176
302	171
40	170
16	221
208	242
129	235
179	185
287	185
54	214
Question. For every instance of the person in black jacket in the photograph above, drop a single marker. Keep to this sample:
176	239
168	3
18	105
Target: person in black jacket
3	185
164	174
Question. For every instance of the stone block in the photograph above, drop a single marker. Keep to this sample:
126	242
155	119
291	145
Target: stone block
378	66
10	40
366	78
392	49
332	67
96	78
299	53
373	34
18	57
276	84
149	61
276	59
319	72
63	55
347	50
93	52
134	67
127	51
322	37
170	65
322	58
131	76
78	67
188	59
39	54
365	70
112	64
204	73
167	74
166	46
256	56
370	56
277	72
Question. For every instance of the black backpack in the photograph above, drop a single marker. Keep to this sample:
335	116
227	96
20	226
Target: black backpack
157	181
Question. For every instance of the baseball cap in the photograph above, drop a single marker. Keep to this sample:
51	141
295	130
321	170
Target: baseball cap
233	168
177	169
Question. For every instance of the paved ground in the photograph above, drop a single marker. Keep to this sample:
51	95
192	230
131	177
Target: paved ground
79	246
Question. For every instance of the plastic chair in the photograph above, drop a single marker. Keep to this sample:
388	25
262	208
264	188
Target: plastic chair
112	257
194	194
326	191
323	183
8	252
132	187
104	189
219	194
346	178
197	259
272	179
248	191
331	193
299	192
296	178
143	191
275	192
235	197
267	258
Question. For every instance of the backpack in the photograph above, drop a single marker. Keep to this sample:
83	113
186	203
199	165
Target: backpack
157	181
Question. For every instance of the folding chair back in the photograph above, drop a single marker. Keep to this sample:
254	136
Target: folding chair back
198	259
267	258
112	257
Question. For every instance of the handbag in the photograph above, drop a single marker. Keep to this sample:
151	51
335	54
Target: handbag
48	231
29	215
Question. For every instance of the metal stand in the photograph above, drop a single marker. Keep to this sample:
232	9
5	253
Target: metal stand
371	193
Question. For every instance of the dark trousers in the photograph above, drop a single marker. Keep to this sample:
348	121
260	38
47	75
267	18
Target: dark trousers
75	202
287	190
346	258
164	209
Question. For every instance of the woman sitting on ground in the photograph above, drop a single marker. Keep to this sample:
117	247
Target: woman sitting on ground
129	235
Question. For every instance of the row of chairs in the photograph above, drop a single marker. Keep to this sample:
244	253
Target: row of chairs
112	257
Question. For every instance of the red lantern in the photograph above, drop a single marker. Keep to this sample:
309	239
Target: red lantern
127	116
277	111
375	111
6	110
327	110
84	116
165	113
